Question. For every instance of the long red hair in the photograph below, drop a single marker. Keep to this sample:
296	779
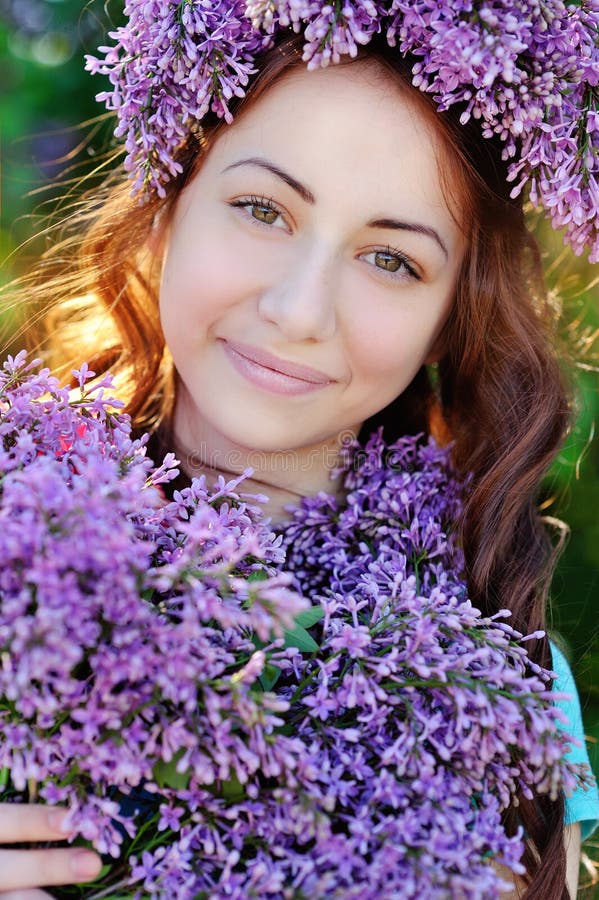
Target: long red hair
499	394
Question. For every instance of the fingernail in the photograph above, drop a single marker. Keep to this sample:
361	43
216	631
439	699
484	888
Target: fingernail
56	819
85	864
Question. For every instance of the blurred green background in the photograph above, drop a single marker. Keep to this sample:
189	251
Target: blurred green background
45	96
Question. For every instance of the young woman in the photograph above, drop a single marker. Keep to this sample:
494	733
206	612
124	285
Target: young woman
341	256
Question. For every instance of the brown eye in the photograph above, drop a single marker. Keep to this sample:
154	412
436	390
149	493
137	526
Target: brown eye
392	264
262	210
264	214
387	261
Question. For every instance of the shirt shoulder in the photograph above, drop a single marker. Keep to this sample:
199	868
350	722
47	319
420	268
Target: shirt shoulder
583	805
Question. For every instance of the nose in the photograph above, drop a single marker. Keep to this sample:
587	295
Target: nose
301	300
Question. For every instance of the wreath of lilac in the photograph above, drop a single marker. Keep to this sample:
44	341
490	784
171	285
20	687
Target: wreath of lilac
527	69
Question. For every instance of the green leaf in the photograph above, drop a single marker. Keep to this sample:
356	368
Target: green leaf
166	775
309	617
260	575
287	730
232	790
299	637
269	676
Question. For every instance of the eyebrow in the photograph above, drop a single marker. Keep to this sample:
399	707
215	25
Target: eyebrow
307	195
410	226
297	186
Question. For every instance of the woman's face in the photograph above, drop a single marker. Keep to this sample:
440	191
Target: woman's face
316	235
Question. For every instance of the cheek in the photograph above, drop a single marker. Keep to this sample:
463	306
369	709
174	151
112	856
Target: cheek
210	265
198	280
387	346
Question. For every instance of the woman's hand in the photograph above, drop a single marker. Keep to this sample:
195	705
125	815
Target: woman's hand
23	871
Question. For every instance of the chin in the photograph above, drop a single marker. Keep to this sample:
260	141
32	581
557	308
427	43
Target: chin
260	437
267	434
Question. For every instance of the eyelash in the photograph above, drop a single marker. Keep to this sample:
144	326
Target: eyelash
265	202
404	261
268	203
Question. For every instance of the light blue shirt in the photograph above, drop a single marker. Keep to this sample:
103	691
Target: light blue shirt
582	806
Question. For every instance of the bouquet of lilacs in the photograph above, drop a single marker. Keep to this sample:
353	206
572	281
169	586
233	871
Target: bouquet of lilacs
158	675
126	623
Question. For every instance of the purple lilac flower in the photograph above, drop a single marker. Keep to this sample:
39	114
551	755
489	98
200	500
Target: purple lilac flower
138	638
169	66
528	70
420	749
124	620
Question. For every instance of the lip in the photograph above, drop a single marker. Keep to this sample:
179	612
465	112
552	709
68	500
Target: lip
271	373
269	361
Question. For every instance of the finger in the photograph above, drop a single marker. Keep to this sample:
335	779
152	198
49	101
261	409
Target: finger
30	822
32	868
24	895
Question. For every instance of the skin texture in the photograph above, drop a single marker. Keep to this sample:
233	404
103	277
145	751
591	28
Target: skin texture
572	843
311	285
26	869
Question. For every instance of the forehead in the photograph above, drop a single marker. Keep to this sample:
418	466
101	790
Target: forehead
350	129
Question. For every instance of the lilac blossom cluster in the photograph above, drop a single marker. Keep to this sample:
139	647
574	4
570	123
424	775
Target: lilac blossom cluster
126	622
419	719
528	70
171	64
211	730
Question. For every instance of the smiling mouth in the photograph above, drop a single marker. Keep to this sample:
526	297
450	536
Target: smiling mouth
288	369
262	374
